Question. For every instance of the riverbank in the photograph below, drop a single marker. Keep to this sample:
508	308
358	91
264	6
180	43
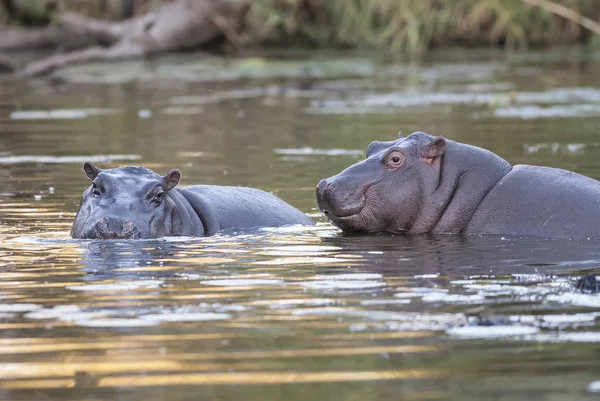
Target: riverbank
407	28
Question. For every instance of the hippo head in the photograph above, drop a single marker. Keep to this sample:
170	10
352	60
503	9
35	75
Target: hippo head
126	202
387	191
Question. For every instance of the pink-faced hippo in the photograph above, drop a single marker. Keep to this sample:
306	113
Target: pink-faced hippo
425	184
135	202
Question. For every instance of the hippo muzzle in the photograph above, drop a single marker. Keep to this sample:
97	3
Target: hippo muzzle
112	228
338	199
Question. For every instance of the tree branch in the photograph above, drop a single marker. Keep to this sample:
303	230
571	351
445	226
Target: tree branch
565	12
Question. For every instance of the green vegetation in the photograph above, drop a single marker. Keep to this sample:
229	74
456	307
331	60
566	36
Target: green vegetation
396	27
411	27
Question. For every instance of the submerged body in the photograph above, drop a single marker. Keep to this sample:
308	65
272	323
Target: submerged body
135	202
426	184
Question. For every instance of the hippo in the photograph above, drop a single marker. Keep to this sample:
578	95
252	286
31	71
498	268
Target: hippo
424	184
133	202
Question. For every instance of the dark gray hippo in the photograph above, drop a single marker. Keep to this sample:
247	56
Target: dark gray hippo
426	184
135	202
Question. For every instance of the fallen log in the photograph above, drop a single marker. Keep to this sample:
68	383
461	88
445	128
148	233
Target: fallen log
177	26
49	37
30	39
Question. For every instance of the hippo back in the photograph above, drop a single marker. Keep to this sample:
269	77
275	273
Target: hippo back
228	208
534	200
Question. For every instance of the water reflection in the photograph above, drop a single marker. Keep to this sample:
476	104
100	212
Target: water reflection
476	255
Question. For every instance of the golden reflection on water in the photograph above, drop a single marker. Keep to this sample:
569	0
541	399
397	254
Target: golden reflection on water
261	378
52	286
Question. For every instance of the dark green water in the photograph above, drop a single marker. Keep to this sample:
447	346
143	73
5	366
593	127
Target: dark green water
293	314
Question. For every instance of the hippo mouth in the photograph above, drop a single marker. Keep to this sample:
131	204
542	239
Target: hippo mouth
94	234
346	212
112	236
105	229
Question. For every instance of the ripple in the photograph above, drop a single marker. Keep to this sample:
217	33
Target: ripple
556	320
411	101
242	282
117	322
491	331
533	112
417	292
67	317
341	284
321	152
300	249
291	229
56	311
577	337
121	286
453	298
185	317
16	308
293	303
386	302
292	260
350	276
59	114
594	387
501	288
554	147
7	315
591	300
66	159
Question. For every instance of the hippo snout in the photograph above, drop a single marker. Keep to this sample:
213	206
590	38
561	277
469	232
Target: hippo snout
113	228
336	199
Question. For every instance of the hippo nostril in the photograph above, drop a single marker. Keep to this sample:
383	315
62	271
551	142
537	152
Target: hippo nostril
129	230
102	224
321	185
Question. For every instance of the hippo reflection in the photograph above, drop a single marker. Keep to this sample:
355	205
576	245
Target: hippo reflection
135	202
426	184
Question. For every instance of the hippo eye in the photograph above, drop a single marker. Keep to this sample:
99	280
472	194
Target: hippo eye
95	191
394	159
158	197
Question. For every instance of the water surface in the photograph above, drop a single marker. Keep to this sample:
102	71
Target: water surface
298	313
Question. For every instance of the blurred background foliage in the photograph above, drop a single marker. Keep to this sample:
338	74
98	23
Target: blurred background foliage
396	27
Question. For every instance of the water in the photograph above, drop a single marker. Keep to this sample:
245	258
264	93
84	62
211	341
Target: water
291	313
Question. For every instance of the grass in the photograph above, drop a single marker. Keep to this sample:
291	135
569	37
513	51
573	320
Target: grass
398	28
411	27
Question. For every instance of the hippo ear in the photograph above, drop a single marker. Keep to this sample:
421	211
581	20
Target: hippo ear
90	170
434	149
171	179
